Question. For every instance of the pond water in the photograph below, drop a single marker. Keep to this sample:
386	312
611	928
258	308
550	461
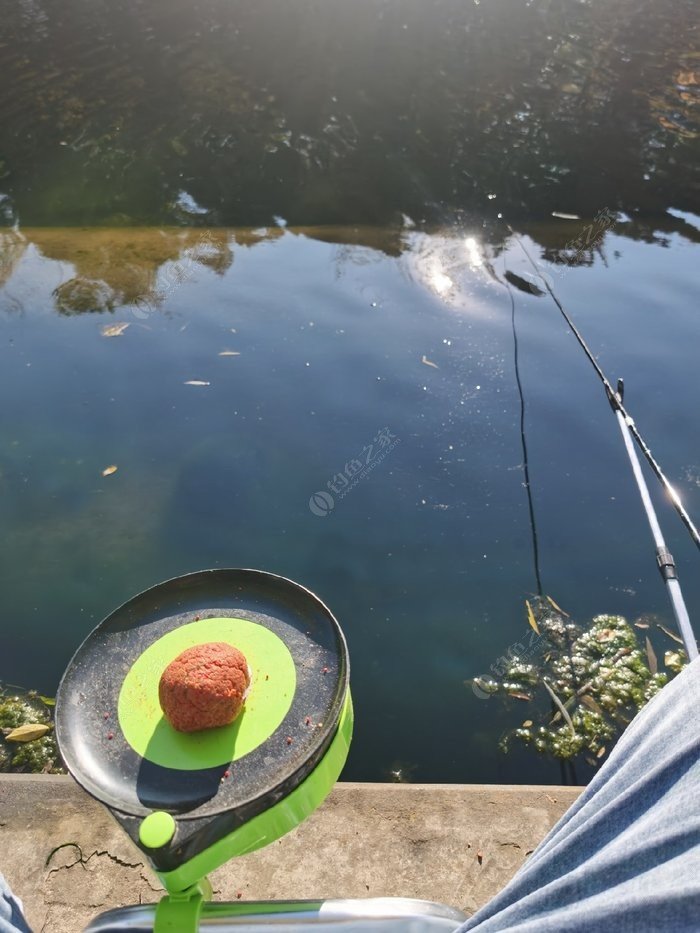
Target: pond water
305	214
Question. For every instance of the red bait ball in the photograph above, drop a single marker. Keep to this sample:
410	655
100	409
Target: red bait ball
204	687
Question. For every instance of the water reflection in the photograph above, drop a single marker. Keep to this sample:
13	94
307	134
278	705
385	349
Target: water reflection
138	269
102	269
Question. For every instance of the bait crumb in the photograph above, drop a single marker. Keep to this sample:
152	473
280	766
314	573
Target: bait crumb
110	735
267	676
308	720
325	670
480	856
105	715
227	774
239	895
289	740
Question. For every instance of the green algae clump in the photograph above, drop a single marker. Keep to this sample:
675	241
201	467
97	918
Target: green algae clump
38	756
585	685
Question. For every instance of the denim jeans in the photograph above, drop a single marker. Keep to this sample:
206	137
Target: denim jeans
11	916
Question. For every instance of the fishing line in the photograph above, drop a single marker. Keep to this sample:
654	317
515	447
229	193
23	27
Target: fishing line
523	442
567	768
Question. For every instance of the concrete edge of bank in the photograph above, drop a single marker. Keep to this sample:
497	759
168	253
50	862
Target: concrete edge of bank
453	843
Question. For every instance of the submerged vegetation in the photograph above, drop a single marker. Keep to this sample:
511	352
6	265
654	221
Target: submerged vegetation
27	739
585	684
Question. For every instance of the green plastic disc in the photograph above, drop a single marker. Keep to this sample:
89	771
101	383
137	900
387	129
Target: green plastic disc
273	682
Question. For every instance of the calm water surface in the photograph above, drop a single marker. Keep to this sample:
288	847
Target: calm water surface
322	192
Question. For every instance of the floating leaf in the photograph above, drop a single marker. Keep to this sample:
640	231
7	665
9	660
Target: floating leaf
27	733
527	724
197	382
557	608
564	216
109	470
427	362
673	660
641	625
591	704
670	634
531	617
518	695
601	751
229	353
114	330
651	657
47	701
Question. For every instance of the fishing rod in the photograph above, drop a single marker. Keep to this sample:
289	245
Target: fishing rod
664	558
630	431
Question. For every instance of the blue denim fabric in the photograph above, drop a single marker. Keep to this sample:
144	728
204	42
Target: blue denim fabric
11	916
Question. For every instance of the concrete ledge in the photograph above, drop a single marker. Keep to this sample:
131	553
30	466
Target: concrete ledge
458	844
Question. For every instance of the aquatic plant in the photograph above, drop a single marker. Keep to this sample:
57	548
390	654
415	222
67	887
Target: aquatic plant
19	751
585	685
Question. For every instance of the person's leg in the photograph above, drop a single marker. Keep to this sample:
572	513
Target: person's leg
626	855
11	916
